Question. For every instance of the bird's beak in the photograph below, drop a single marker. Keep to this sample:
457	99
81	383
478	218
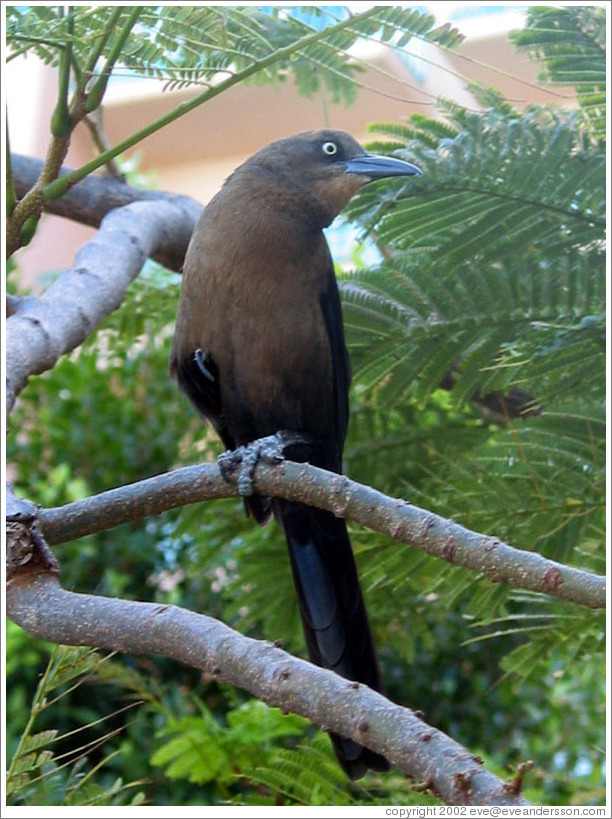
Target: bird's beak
380	167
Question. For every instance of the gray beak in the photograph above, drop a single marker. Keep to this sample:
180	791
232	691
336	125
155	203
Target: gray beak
380	167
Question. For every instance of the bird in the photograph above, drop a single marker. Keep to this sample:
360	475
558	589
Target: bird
259	348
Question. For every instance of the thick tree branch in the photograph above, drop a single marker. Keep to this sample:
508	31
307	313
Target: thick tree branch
397	518
39	331
37	602
90	200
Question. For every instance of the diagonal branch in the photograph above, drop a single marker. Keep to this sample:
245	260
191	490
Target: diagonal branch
39	331
276	56
397	518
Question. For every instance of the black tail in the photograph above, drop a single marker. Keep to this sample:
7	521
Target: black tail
333	613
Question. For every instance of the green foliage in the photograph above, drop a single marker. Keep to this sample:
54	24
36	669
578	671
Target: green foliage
498	199
493	281
509	214
37	774
571	44
309	775
191	44
203	748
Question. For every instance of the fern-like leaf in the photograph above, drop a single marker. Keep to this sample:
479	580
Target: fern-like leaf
498	201
571	43
36	774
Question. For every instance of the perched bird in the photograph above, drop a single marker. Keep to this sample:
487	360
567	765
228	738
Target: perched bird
259	347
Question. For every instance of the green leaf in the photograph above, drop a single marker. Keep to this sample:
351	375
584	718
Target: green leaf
193	753
571	43
255	722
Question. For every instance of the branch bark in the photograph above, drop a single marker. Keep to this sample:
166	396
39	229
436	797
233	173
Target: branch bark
397	518
90	200
39	331
37	602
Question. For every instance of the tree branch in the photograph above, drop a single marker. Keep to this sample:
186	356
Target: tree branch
90	200
397	518
37	602
39	331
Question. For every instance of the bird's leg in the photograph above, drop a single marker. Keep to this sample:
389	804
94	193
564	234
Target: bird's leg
245	458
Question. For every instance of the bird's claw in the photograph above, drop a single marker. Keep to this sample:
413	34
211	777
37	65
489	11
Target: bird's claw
245	458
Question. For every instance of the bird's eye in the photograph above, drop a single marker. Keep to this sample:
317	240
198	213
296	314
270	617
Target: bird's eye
329	148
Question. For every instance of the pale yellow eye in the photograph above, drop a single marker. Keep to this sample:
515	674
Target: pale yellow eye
329	148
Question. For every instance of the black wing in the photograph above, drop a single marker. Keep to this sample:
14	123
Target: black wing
341	367
198	376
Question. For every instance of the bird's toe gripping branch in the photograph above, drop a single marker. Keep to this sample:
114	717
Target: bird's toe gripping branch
245	458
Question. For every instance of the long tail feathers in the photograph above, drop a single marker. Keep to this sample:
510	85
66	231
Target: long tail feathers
333	613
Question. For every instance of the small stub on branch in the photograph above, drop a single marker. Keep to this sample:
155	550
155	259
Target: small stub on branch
26	549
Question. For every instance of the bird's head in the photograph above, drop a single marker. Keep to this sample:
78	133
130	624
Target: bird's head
327	167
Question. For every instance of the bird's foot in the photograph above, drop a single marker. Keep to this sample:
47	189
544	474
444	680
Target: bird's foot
245	458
